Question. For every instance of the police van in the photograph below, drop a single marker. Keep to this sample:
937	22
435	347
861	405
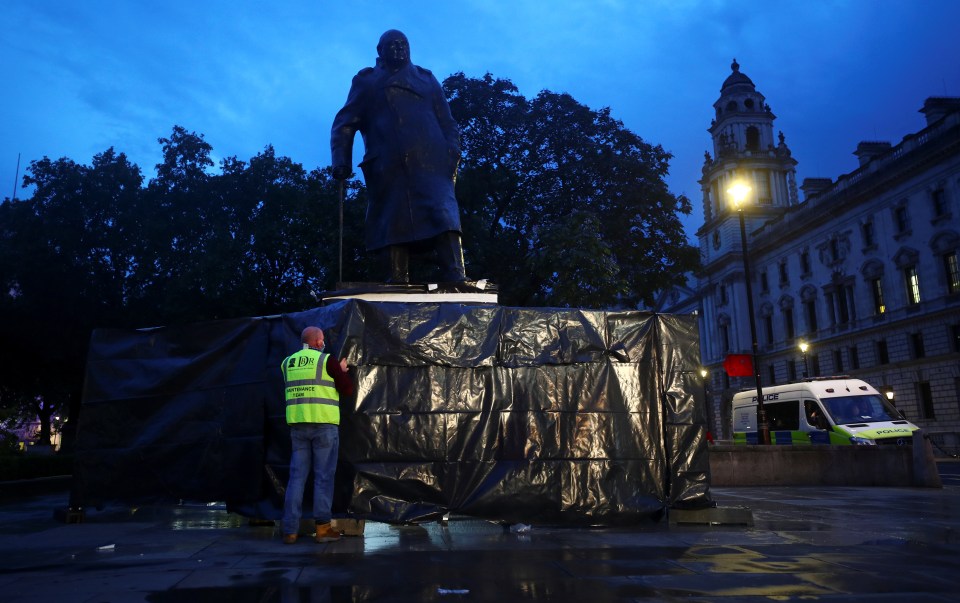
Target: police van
834	410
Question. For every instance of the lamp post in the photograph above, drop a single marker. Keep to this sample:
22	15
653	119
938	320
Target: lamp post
738	193
804	346
706	398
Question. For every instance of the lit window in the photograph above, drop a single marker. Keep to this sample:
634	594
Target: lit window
913	285
952	269
877	289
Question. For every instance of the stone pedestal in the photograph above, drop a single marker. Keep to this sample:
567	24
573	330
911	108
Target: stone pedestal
476	292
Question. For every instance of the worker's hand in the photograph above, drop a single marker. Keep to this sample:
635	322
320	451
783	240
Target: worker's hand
343	364
341	172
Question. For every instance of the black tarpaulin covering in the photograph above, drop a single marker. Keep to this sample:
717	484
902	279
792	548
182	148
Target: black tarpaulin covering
517	414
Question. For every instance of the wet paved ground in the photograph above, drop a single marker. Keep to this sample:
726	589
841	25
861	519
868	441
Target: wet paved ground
806	544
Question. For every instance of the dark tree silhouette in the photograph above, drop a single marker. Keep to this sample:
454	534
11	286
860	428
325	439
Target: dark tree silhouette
563	206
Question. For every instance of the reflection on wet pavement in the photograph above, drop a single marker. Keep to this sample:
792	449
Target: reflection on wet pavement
806	544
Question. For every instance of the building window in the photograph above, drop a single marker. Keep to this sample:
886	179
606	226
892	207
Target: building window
916	342
854	357
866	229
913	285
763	187
753	139
882	356
876	288
810	307
926	400
788	323
956	386
838	361
784	278
805	262
901	218
771	374
939	201
724	339
764	284
723	295
768	328
843	310
792	370
815	364
952	270
716	239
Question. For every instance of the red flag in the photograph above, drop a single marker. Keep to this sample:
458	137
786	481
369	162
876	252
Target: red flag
738	365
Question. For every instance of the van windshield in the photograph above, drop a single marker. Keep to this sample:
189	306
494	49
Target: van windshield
870	408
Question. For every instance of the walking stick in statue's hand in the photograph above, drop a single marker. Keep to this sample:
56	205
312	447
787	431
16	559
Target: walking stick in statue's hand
340	279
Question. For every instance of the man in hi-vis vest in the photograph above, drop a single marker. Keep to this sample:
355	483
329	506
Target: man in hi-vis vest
314	382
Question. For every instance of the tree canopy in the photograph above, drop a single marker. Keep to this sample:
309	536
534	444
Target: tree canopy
93	247
561	205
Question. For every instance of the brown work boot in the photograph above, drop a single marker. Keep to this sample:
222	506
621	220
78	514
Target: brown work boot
326	533
289	538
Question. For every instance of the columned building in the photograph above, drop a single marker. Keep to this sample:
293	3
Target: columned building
864	270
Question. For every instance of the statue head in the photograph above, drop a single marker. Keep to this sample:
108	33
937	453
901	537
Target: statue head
394	49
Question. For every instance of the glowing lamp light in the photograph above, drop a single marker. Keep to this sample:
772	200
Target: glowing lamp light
738	192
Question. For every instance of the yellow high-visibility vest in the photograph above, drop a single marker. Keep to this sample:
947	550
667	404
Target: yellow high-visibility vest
310	393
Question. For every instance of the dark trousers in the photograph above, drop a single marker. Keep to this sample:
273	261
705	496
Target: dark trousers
449	257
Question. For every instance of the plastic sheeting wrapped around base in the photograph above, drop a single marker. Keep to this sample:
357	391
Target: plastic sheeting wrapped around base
514	414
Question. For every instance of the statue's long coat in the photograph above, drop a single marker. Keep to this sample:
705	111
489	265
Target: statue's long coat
411	150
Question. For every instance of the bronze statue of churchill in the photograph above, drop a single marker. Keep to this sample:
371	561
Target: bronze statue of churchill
411	151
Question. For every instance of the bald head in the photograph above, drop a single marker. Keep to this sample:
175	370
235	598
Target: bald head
394	49
312	336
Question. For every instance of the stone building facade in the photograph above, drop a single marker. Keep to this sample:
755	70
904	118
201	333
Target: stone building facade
864	269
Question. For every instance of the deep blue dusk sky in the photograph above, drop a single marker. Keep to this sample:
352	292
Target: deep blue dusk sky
81	77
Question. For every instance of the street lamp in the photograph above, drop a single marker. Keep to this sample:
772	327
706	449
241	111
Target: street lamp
738	192
804	346
706	398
